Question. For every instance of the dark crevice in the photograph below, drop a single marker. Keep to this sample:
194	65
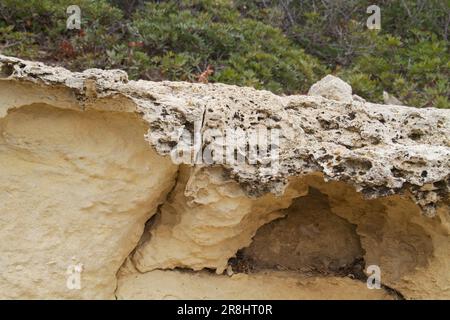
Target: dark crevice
146	234
245	263
6	70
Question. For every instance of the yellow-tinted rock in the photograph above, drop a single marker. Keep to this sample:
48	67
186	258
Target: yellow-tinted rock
264	286
75	189
84	165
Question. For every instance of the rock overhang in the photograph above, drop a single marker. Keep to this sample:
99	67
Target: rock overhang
123	173
379	149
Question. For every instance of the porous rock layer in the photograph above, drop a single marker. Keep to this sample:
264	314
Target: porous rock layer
89	176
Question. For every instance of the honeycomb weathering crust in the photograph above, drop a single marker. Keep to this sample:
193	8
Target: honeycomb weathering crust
85	164
379	149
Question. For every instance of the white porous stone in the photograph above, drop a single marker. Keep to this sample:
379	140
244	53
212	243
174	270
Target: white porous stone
88	186
332	88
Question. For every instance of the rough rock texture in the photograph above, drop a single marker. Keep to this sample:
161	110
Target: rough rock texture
412	250
88	158
207	219
332	88
311	238
171	285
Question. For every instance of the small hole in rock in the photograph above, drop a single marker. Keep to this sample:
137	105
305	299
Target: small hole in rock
6	70
415	135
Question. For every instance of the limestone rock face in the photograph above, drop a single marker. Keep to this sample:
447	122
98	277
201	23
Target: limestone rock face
206	220
112	179
311	238
76	189
172	285
410	249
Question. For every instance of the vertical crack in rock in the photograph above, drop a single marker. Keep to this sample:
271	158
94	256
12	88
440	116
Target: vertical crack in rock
128	266
309	238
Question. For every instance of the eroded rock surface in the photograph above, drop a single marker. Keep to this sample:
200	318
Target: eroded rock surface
76	189
410	248
88	158
171	285
207	219
310	238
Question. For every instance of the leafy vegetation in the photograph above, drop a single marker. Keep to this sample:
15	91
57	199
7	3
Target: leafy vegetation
279	45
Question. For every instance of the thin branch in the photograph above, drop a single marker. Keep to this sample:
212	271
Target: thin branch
9	45
407	9
286	10
446	27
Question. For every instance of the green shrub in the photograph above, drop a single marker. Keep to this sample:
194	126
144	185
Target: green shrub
416	70
187	38
409	57
39	27
280	45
